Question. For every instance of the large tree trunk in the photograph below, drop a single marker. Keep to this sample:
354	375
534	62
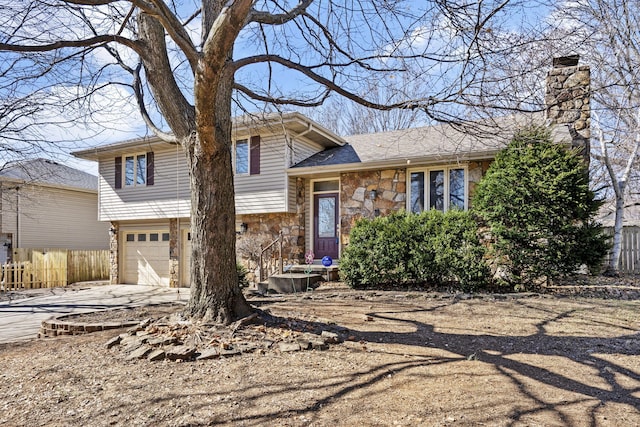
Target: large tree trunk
215	292
205	133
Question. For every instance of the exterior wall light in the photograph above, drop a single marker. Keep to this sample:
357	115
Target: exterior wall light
244	227
373	194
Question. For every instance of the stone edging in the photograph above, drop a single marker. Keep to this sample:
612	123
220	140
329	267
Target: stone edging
58	327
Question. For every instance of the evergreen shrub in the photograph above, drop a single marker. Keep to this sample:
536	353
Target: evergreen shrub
535	198
409	249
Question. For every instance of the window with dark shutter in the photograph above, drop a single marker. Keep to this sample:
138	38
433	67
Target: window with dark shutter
254	152
150	168
118	172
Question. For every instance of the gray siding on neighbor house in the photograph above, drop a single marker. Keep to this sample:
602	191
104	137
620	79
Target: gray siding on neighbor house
49	217
169	197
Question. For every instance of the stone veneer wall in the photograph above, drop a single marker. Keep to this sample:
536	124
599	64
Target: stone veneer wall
263	229
174	254
568	102
476	171
355	201
114	231
391	187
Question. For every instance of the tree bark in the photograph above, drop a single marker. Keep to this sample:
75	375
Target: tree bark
616	248
205	134
215	292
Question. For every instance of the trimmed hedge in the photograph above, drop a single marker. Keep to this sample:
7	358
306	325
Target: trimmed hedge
407	249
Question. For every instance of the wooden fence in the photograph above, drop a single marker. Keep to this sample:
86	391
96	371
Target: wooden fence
630	254
48	268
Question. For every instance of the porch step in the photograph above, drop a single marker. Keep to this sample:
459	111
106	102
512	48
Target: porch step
330	274
288	283
294	282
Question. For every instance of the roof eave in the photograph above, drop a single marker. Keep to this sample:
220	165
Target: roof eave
393	163
17	181
96	153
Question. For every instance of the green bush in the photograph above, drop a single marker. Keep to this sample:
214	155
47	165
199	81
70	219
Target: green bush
405	249
536	200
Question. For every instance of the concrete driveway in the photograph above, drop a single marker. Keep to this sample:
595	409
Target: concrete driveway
20	319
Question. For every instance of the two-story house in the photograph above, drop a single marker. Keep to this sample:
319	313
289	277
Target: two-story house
44	204
295	177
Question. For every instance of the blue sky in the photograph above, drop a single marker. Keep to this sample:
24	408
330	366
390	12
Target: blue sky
114	116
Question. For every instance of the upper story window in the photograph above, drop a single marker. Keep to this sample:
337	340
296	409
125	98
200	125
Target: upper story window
246	156
438	188
242	157
136	170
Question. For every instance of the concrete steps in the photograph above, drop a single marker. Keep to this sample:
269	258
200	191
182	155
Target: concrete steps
330	274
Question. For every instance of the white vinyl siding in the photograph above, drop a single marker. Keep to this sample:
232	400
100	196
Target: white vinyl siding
52	217
303	149
266	192
169	197
270	191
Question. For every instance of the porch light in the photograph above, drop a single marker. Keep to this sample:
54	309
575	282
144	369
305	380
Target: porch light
244	227
373	194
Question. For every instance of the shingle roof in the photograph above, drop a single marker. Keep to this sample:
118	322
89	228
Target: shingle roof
427	143
45	171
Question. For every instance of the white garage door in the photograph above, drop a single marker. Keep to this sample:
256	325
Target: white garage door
146	257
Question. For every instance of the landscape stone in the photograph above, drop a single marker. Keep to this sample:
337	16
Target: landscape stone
230	351
287	347
132	346
319	344
247	347
330	337
160	341
180	352
156	355
113	341
140	353
209	353
304	344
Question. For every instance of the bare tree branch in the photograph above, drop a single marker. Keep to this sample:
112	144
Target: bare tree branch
281	18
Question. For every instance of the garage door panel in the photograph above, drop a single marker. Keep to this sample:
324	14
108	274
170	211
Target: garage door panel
146	262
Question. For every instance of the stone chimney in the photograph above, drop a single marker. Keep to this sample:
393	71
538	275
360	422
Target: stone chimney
567	100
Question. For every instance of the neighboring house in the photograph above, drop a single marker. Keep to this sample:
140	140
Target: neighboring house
295	177
44	204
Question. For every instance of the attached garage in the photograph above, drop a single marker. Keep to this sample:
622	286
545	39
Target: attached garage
146	257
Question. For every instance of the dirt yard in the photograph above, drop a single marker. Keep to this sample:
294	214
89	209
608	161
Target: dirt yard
412	359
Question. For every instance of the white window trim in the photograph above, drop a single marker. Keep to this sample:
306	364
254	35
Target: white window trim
135	170
427	195
234	154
